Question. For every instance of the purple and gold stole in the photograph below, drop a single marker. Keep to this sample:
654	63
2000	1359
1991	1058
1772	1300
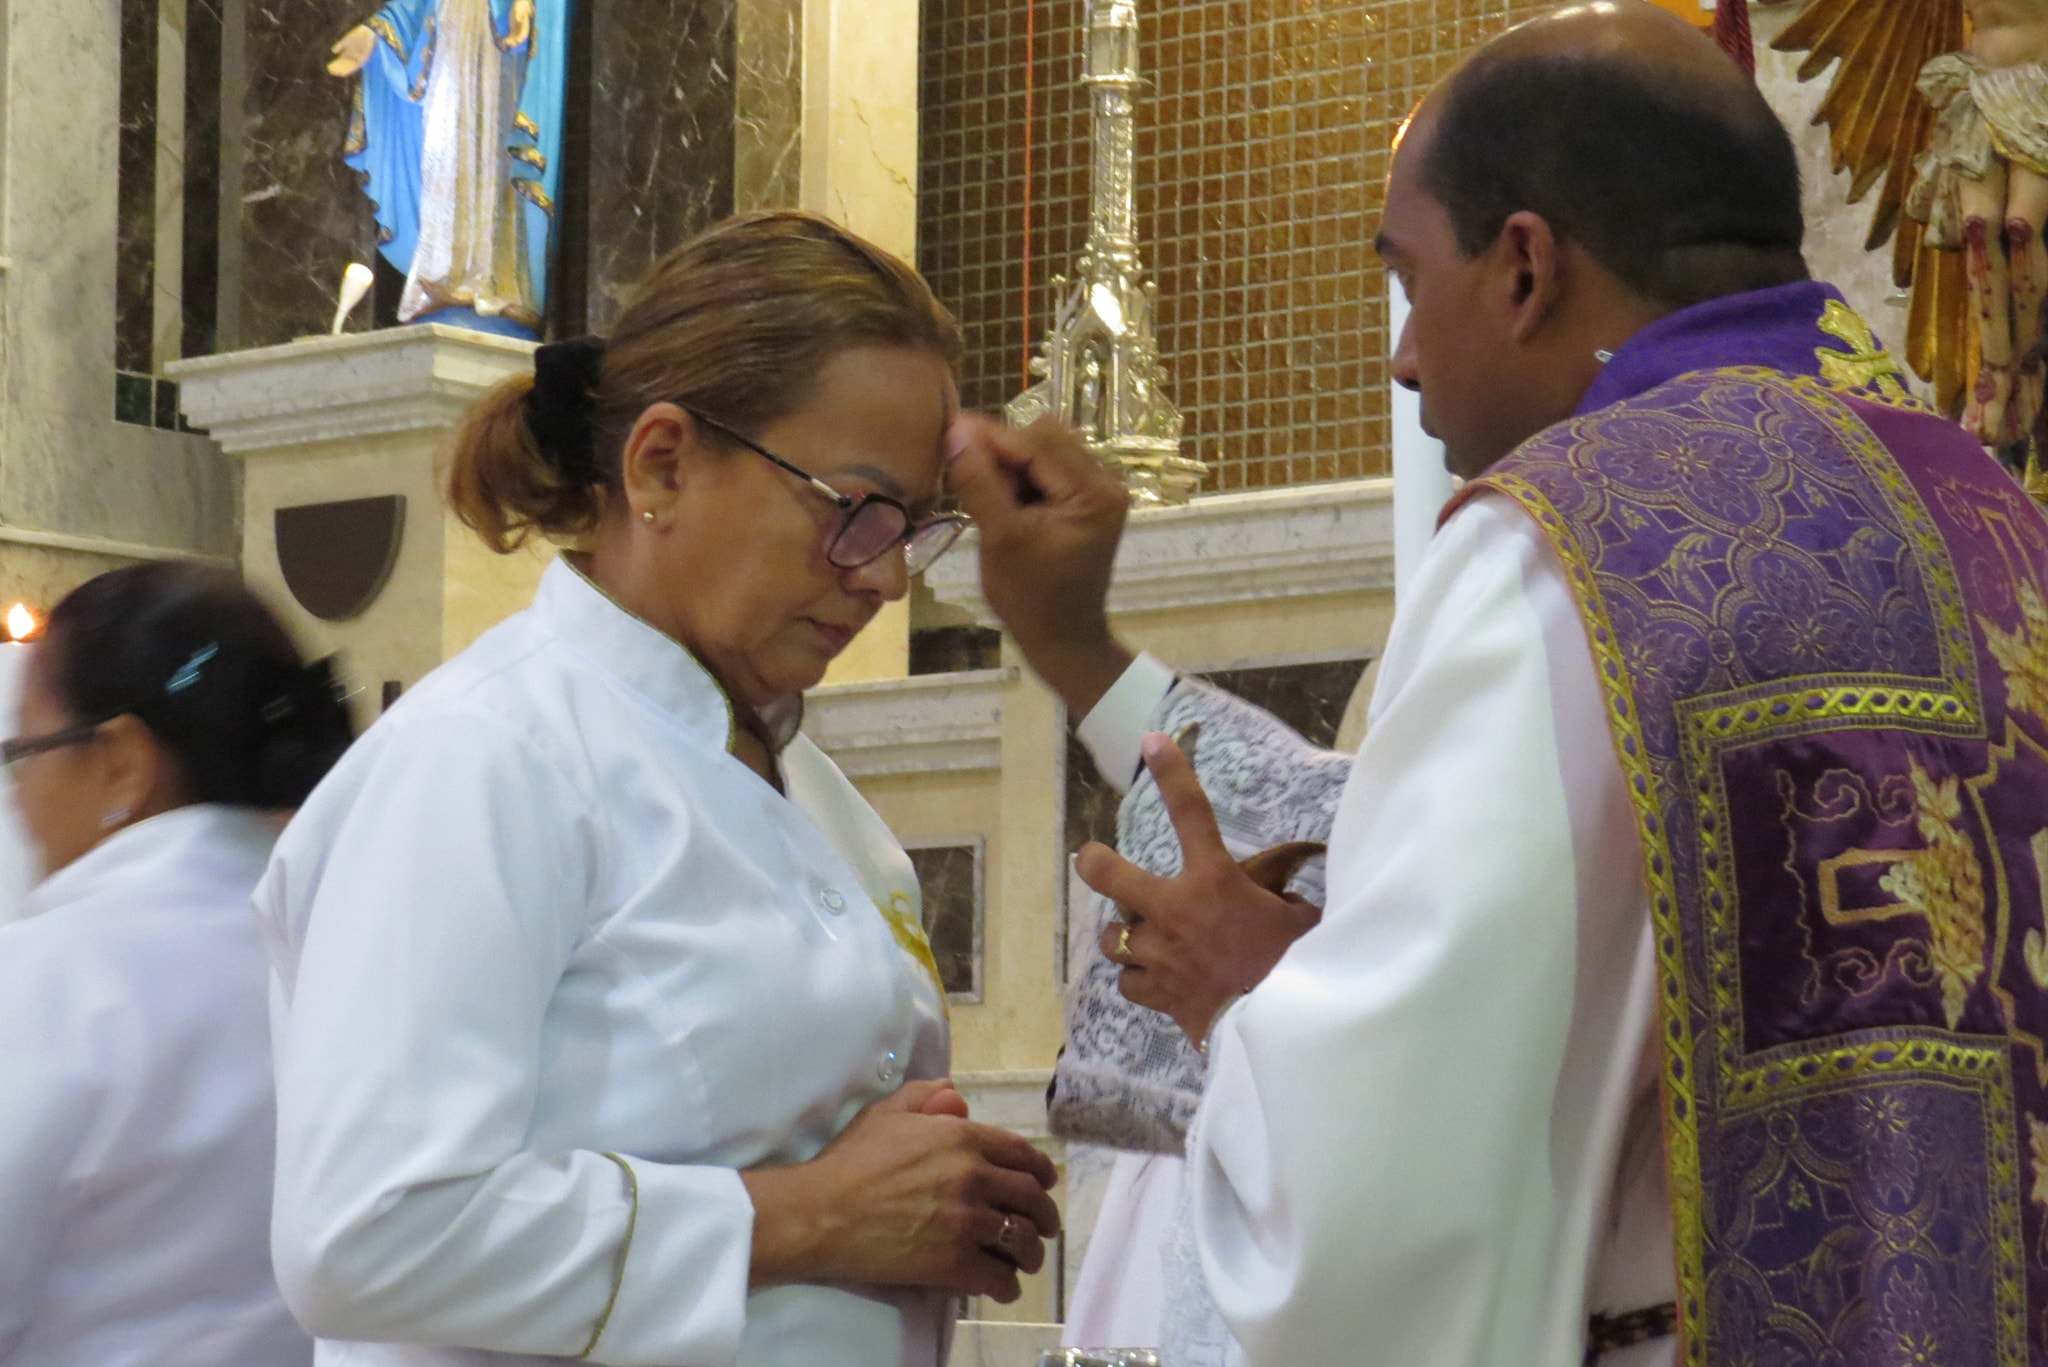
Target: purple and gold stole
1820	619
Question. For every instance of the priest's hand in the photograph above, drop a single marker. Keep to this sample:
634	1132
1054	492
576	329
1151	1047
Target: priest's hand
355	48
910	1193
1050	515
1190	943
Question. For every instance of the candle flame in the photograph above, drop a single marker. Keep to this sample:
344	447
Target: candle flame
21	623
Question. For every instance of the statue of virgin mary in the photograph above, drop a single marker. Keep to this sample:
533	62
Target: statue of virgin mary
457	135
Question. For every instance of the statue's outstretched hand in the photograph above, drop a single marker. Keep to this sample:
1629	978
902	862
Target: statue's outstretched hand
355	49
521	29
1190	943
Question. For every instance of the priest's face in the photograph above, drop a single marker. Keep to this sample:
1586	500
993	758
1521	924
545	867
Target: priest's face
743	558
1463	349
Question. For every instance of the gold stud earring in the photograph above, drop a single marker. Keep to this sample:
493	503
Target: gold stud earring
647	514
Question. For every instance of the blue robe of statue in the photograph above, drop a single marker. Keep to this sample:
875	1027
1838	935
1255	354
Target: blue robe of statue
457	138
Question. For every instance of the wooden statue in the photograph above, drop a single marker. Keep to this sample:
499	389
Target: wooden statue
1946	103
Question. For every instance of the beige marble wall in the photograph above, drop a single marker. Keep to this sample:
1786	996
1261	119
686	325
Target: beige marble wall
858	166
881	651
860	117
66	467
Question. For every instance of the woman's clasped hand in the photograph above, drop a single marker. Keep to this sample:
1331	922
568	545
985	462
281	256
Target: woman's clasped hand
911	1193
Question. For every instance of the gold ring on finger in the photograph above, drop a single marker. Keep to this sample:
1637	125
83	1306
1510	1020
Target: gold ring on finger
1123	943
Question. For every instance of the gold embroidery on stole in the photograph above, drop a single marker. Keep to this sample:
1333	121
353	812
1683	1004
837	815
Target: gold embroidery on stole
1865	365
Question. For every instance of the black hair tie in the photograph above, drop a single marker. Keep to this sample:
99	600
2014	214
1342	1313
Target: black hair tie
560	408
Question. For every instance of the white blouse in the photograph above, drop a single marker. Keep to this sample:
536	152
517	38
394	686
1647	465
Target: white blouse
135	1108
552	966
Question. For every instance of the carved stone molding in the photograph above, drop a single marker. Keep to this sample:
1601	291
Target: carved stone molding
338	388
923	724
1230	548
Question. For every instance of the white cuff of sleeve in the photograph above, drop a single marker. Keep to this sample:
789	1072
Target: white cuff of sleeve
1116	726
681	1289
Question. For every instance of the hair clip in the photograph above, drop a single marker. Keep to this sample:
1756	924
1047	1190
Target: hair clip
188	673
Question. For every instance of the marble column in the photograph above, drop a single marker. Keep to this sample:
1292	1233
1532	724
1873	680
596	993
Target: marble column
859	162
79	492
767	126
660	136
859	167
302	215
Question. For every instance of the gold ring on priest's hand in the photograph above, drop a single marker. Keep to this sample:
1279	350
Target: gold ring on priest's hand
1003	1235
1123	943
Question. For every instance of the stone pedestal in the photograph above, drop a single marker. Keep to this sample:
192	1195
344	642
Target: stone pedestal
363	416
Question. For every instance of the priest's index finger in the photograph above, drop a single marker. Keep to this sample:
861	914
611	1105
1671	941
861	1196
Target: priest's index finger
1194	820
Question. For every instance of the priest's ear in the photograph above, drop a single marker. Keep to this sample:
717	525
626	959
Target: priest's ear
1530	255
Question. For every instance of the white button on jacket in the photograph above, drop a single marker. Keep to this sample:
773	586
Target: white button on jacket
551	965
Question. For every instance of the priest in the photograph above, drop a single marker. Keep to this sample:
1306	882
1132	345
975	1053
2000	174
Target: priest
1680	987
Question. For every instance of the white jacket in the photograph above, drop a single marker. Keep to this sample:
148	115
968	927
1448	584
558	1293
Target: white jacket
135	1108
553	966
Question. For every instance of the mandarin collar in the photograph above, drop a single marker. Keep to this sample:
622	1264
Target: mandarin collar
230	844
1778	328
654	665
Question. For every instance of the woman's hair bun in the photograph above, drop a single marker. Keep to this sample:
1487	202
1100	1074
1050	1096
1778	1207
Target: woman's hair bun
304	726
199	659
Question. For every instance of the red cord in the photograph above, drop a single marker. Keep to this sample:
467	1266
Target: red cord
1731	31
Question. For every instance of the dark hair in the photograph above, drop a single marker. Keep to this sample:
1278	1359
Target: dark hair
201	662
735	324
1685	194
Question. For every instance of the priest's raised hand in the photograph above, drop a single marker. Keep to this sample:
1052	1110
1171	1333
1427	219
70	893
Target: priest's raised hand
1050	516
1190	944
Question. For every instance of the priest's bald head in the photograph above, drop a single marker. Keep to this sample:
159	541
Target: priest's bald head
1577	178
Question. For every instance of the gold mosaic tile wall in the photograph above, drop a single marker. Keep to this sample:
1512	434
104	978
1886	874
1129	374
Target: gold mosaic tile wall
1262	147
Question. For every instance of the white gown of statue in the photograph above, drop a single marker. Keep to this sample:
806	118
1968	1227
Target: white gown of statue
469	250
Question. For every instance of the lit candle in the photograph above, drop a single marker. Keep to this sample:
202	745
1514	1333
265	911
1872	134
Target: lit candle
18	858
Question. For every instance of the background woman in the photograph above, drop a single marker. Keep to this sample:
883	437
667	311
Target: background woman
611	1029
165	717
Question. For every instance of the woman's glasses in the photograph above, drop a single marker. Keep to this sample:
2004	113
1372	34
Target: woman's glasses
869	526
14	751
